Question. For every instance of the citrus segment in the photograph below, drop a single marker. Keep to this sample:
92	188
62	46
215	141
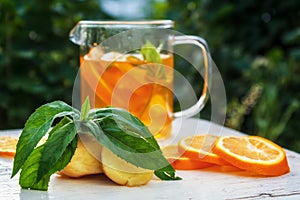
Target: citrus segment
8	146
253	153
180	162
199	147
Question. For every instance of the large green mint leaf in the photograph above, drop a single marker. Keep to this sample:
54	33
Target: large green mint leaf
55	146
127	122
37	125
166	173
29	174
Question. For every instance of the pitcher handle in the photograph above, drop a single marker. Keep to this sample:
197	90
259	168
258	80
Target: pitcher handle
200	42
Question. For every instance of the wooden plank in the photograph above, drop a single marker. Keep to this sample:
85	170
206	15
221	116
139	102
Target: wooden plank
210	183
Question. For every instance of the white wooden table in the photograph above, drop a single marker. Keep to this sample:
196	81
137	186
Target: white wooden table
210	183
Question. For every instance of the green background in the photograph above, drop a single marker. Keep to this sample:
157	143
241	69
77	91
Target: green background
255	44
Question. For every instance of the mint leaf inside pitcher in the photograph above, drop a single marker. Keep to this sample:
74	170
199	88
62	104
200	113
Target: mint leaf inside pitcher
151	54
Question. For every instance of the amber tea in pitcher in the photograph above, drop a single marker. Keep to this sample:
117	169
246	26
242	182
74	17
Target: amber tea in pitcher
126	81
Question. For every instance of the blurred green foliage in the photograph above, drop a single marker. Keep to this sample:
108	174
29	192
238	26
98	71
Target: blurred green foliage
38	63
255	44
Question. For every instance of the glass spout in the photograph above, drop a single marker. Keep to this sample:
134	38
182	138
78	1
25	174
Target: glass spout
77	34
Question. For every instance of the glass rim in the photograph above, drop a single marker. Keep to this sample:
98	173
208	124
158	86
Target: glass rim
135	23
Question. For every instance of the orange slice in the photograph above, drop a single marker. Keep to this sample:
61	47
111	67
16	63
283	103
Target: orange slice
199	147
180	162
253	153
8	146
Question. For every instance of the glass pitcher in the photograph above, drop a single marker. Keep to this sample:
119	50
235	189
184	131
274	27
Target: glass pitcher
129	64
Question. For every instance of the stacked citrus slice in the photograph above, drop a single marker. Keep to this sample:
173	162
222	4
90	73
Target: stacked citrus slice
8	146
200	148
181	162
251	153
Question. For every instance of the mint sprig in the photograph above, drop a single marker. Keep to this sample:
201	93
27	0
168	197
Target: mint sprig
151	54
117	129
